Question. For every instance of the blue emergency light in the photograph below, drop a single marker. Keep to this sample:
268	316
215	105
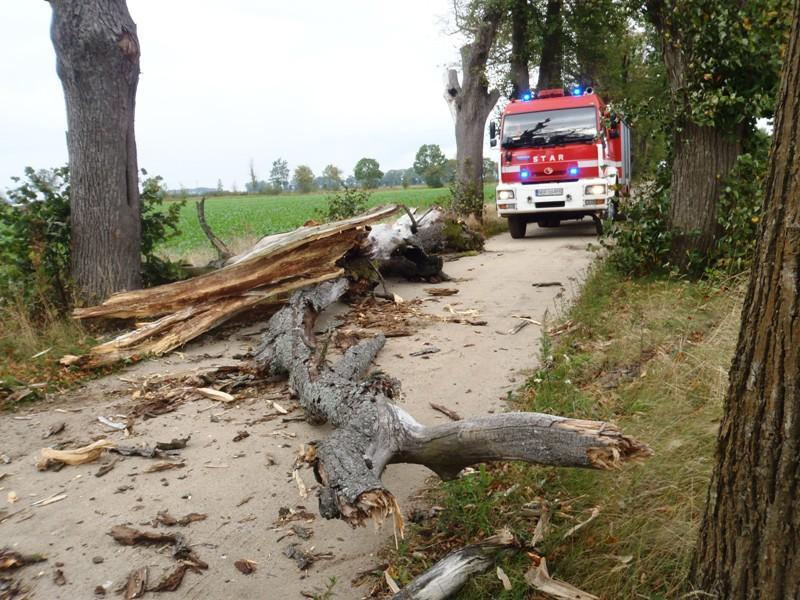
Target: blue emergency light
526	96
525	174
573	170
577	91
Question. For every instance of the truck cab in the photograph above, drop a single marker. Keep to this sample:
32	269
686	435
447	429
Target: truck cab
563	155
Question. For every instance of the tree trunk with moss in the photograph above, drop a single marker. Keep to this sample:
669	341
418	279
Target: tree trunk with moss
470	102
749	543
97	60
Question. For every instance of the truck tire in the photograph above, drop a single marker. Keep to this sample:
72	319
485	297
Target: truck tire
517	227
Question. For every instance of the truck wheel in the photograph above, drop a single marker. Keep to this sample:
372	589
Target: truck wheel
517	227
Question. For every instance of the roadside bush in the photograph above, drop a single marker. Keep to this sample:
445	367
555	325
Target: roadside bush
466	199
641	244
35	240
347	202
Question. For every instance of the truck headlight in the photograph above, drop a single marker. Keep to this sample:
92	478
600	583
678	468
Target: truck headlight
505	195
598	189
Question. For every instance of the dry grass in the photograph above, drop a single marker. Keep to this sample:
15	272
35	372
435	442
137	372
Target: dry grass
651	356
30	349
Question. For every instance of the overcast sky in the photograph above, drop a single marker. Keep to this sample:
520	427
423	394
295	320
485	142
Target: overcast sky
313	82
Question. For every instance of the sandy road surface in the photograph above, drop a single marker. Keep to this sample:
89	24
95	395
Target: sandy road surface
233	482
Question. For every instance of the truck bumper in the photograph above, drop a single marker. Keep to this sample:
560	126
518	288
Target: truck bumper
565	197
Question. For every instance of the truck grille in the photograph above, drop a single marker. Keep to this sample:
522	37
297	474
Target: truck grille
553	204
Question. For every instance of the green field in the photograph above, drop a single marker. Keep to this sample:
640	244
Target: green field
238	220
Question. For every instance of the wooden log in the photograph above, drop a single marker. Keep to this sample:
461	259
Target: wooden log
450	574
371	432
307	251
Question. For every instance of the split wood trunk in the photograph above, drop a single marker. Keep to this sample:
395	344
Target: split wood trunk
264	276
371	432
450	574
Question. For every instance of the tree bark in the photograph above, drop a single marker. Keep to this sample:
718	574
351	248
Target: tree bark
520	48
748	546
371	432
470	102
97	59
703	155
550	65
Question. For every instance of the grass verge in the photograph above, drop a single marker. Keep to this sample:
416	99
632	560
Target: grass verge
650	355
29	353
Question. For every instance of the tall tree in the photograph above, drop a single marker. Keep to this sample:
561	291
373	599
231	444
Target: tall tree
471	101
431	164
253	186
551	63
722	61
304	179
333	177
520	47
368	173
748	545
97	60
279	175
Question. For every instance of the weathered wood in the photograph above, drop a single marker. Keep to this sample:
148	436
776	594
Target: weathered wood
450	574
303	253
223	253
371	431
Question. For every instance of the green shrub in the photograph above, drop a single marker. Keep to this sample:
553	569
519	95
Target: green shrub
347	202
641	244
466	198
738	215
35	239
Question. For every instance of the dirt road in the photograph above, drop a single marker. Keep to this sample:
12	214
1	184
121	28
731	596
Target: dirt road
243	486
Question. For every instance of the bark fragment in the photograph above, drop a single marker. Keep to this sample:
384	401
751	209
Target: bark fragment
450	574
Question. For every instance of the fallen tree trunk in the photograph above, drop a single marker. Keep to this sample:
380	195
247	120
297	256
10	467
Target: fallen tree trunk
450	574
264	275
371	432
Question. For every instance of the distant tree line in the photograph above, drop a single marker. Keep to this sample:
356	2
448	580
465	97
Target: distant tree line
431	168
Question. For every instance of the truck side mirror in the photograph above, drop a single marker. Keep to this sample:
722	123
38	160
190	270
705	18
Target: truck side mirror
493	132
493	142
613	133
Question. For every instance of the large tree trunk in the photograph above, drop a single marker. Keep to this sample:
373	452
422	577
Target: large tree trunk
370	431
470	102
97	59
520	48
703	158
550	65
749	544
704	155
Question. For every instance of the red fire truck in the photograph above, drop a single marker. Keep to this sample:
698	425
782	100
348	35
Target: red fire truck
563	155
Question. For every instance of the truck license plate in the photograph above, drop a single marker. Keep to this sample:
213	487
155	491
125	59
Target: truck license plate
550	192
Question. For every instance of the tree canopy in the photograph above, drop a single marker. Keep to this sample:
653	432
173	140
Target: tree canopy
368	173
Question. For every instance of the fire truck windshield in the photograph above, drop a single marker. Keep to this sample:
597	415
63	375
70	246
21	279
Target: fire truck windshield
550	127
